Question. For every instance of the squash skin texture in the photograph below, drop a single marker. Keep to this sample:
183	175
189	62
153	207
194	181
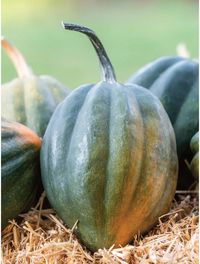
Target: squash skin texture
177	89
20	169
32	100
194	164
112	162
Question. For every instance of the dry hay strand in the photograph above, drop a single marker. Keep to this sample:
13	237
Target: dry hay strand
42	237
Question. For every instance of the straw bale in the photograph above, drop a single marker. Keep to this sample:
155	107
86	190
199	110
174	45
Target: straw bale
42	237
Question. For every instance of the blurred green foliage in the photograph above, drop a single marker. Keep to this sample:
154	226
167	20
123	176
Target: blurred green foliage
133	33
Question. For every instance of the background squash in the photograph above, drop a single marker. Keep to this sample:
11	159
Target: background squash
194	164
20	170
174	80
109	158
30	99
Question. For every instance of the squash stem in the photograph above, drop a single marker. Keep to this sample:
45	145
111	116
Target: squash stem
16	57
107	68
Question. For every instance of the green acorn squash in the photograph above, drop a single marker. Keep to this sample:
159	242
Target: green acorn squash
174	80
20	170
30	99
109	158
194	164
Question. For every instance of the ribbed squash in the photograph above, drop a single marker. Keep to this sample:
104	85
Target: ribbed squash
20	170
108	158
194	165
30	99
174	80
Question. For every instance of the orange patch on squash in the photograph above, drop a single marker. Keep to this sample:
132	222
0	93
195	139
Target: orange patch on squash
30	135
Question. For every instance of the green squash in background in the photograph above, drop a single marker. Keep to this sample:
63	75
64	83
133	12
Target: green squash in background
194	164
20	169
30	99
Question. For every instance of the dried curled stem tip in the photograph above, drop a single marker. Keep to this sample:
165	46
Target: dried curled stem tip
16	57
107	68
79	28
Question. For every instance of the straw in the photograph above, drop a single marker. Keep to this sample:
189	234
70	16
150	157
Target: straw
42	237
